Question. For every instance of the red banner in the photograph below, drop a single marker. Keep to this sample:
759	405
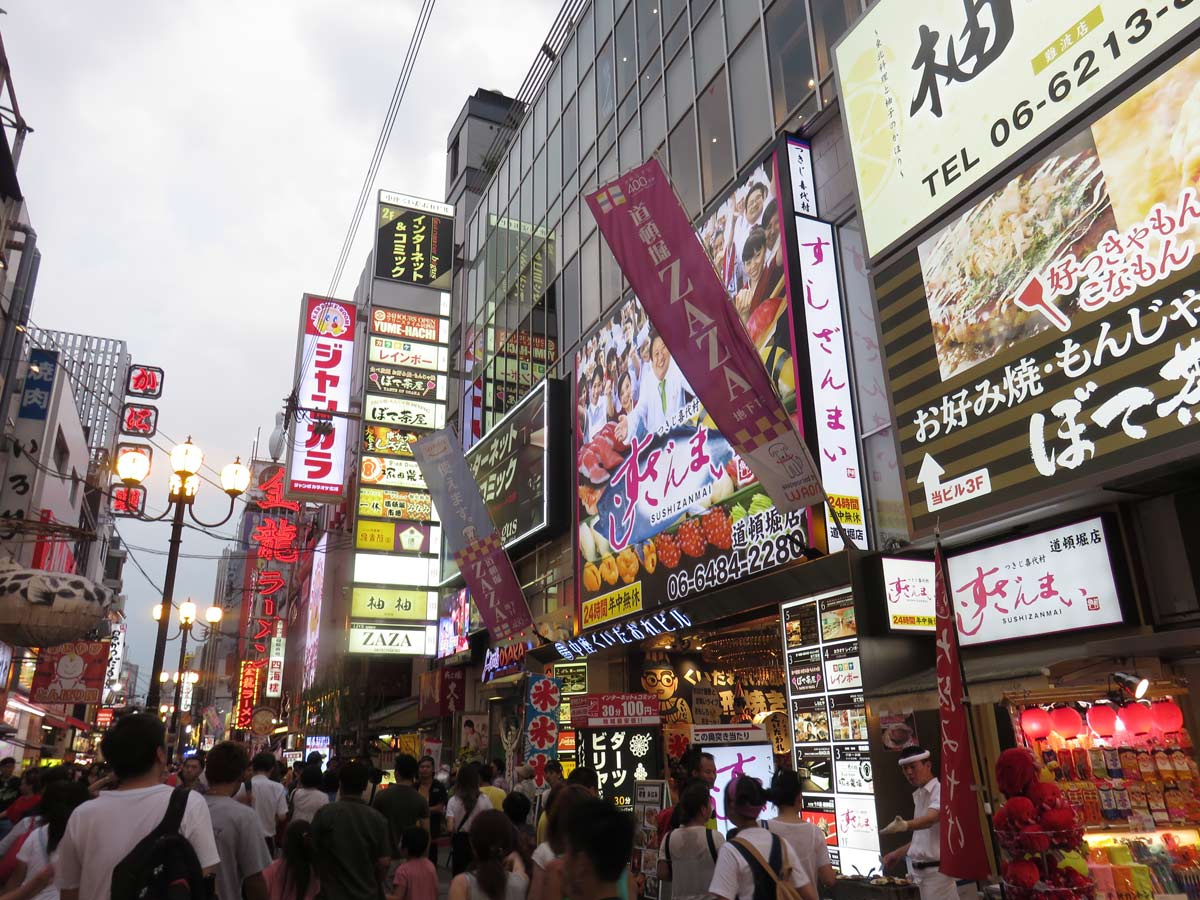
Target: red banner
247	695
963	851
70	673
652	239
442	693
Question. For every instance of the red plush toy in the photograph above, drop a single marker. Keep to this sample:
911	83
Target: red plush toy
1021	811
1022	873
1033	839
1045	795
1015	771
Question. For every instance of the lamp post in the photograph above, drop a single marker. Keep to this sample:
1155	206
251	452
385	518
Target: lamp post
187	619
132	467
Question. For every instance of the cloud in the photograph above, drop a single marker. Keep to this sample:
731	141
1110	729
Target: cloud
192	171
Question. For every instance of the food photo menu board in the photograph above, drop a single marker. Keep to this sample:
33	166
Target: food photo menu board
829	718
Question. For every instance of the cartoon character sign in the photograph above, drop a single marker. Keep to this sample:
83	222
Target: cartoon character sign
70	673
659	678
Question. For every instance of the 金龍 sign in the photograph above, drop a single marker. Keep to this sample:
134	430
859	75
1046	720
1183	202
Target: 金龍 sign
936	98
1051	582
1024	370
414	240
247	693
908	586
324	370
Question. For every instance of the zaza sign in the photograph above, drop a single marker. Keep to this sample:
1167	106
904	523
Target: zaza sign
392	640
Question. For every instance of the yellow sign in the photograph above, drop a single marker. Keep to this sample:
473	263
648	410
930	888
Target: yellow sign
938	99
613	605
398	604
849	509
375	536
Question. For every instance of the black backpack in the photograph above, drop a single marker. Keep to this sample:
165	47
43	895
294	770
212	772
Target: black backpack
163	865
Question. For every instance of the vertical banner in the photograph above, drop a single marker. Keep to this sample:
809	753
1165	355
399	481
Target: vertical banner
962	843
652	239
542	704
473	539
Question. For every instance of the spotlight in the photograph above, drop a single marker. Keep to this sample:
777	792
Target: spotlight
1131	684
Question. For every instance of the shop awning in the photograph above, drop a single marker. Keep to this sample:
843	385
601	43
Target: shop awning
66	722
402	714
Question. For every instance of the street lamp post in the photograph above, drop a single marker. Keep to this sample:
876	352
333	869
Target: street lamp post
186	459
187	619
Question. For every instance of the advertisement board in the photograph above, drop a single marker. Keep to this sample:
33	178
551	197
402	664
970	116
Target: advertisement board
621	756
411	325
407	354
70	673
455	625
312	612
385	504
935	102
392	640
414	240
908	586
1054	581
396	381
1042	340
398	604
829	718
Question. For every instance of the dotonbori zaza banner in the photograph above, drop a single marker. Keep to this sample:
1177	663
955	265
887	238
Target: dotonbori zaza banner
652	239
473	539
542	703
324	369
1044	341
936	96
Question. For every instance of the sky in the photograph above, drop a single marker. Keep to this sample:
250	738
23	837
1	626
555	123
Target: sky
192	170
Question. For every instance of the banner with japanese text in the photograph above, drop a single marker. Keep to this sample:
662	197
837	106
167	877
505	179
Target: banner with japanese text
963	850
542	703
651	236
70	673
472	538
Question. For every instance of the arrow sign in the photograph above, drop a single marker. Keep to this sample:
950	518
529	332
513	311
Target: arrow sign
939	494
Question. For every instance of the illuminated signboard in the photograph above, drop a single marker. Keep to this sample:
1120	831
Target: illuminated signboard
395	381
387	472
404	413
389	537
407	354
829	719
407	604
1025	370
324	369
459	619
144	381
274	683
935	102
620	736
392	640
312	612
414	240
274	546
385	504
500	662
370	568
137	419
387	440
247	695
414	326
908	586
1052	582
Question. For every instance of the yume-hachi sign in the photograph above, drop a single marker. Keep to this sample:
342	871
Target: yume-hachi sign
652	239
325	367
963	848
937	96
247	694
473	539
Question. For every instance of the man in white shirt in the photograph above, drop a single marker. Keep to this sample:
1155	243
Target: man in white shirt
923	852
661	395
269	797
102	832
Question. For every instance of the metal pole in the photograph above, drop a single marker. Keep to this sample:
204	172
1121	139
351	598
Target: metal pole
184	630
164	622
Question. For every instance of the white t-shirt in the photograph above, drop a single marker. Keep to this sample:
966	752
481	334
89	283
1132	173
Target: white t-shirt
809	843
270	800
544	855
306	802
926	843
692	863
456	809
33	854
733	878
101	832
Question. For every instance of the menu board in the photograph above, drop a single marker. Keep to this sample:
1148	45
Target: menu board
829	716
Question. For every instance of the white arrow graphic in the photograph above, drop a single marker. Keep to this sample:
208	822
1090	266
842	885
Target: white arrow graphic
939	494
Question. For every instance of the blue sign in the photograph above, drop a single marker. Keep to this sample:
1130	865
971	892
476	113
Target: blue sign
39	384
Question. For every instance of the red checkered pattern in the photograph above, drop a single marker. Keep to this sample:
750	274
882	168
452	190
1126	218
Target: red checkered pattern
763	430
479	549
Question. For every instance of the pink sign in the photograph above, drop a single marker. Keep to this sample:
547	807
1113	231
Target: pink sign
654	244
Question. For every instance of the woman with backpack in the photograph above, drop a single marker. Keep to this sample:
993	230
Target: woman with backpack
806	839
468	802
688	854
755	864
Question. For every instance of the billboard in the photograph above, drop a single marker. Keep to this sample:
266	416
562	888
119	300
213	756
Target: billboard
414	240
1043	338
324	370
935	102
312	612
70	673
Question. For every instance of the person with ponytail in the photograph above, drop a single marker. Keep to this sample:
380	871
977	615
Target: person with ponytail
497	872
291	877
41	847
688	854
806	839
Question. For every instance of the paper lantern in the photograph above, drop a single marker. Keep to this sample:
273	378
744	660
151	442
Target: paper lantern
1067	721
1035	722
1102	719
1167	715
1136	718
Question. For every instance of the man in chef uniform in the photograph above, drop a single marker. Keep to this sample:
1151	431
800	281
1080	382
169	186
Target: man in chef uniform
922	853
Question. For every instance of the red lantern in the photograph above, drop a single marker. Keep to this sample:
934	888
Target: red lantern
1067	721
1102	719
1136	718
1035	722
1167	715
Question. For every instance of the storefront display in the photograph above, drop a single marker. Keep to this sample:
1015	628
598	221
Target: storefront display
620	736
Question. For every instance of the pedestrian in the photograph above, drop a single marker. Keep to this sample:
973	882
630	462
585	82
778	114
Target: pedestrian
293	876
309	797
499	778
498	873
553	774
269	798
190	772
547	879
923	852
101	833
752	859
526	783
41	848
402	804
688	854
350	840
806	839
516	806
699	766
29	795
10	786
676	781
416	878
587	778
468	801
487	775
329	784
435	794
599	844
236	827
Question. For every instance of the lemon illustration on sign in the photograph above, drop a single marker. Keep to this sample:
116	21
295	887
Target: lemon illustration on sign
866	115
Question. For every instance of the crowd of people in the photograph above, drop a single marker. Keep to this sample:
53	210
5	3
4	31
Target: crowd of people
229	825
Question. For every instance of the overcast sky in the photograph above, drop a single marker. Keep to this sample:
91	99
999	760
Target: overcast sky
192	171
